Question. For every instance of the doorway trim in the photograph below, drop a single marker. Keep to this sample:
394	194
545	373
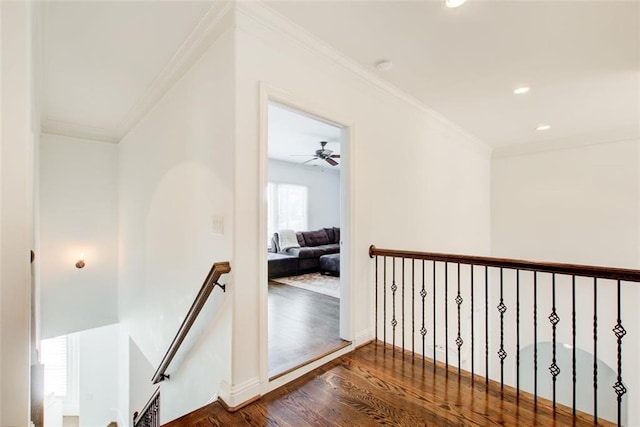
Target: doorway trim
347	301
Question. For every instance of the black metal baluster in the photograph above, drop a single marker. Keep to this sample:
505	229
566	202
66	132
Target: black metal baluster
573	341
413	308
517	333
459	341
620	332
472	316
502	309
403	307
384	302
554	319
595	350
376	309
423	330
434	316
394	288
535	337
446	315
486	324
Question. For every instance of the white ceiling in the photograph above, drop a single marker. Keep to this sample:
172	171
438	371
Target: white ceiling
579	57
101	59
295	137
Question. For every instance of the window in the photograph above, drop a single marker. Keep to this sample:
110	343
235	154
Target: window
287	208
54	359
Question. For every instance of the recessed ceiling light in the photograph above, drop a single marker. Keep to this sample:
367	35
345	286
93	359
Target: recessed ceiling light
543	127
384	65
454	3
521	90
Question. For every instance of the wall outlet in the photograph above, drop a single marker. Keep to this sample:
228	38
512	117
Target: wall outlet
217	225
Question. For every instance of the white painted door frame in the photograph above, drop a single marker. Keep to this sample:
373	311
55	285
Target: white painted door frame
347	300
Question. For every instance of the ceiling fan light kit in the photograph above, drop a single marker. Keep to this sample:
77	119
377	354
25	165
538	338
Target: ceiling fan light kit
324	154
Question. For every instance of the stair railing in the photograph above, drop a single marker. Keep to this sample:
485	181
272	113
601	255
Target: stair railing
413	292
217	270
149	416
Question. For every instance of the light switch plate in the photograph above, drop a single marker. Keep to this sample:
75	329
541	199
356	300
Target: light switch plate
217	225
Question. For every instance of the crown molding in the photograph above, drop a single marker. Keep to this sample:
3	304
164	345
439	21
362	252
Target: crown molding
553	145
74	130
260	13
212	25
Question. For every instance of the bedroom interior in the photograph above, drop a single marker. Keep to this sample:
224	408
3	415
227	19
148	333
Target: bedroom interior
303	199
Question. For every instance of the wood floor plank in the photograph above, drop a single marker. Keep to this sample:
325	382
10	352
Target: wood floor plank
303	326
375	386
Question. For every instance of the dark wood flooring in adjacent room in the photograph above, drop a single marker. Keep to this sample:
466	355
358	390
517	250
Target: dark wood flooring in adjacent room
372	387
303	326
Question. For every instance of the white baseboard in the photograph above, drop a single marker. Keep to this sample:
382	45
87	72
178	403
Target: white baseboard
364	337
238	395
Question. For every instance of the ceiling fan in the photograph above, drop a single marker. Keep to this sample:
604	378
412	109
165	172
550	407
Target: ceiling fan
324	154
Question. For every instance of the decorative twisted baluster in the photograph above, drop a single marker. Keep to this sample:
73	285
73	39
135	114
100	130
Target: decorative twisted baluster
554	319
394	288
423	330
458	300
620	332
502	354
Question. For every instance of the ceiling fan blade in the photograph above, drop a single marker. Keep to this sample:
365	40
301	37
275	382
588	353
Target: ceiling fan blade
310	160
331	161
335	156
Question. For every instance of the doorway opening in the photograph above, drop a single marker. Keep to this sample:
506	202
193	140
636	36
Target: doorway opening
305	210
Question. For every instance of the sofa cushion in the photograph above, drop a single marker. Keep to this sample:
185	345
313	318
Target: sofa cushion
315	238
336	232
300	237
330	234
304	252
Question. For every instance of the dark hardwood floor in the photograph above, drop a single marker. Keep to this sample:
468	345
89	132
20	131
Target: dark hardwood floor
374	386
303	326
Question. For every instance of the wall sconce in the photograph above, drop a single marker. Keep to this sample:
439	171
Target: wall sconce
80	263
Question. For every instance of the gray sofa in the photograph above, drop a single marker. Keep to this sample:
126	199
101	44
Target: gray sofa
306	258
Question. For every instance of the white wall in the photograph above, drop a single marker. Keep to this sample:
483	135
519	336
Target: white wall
175	174
78	214
16	222
419	182
98	355
323	190
140	372
576	205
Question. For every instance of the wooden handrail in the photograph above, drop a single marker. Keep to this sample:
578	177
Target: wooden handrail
217	270
548	267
